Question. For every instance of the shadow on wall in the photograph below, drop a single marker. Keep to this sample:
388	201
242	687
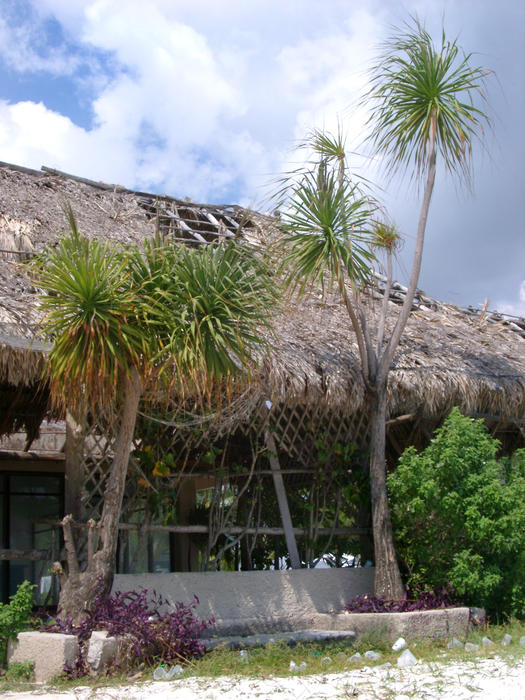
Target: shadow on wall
259	601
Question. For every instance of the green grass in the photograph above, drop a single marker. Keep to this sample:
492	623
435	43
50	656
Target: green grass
274	659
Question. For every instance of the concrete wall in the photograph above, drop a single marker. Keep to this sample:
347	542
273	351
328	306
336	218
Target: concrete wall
259	601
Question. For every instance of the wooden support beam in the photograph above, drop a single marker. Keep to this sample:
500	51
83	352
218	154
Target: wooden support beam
239	530
27	554
282	500
400	419
233	530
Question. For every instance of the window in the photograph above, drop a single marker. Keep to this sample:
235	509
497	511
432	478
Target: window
27	500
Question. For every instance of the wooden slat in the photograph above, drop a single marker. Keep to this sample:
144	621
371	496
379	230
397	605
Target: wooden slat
27	554
234	530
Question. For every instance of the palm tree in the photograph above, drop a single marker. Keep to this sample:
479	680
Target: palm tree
186	322
421	99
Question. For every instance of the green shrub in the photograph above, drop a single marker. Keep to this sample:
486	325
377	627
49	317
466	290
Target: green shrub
15	616
459	517
20	671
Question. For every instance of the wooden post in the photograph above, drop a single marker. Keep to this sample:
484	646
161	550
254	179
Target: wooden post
186	554
282	500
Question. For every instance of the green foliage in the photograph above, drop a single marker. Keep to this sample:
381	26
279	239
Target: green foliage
90	316
326	219
190	317
205	307
419	90
20	671
15	616
459	517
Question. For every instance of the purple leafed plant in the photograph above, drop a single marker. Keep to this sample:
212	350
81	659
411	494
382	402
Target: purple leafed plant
149	635
424	601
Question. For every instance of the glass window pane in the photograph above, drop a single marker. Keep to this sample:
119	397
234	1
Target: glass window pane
35	484
161	552
25	512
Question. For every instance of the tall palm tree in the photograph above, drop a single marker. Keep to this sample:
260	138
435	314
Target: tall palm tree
422	106
121	320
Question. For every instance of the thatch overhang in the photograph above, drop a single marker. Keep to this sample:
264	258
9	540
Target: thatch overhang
448	355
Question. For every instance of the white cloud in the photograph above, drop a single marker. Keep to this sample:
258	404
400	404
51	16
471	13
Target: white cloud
19	48
514	308
202	103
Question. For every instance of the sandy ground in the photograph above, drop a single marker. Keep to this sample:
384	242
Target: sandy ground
493	679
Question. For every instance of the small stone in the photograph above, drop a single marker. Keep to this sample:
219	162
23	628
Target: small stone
340	656
486	642
522	641
372	655
399	644
326	660
355	658
294	667
102	649
455	644
160	674
471	647
406	659
384	667
243	656
507	639
176	670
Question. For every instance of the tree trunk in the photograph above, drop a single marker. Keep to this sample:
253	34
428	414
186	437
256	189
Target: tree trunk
388	583
79	588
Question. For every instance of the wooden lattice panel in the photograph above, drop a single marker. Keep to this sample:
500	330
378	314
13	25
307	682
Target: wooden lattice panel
97	455
296	429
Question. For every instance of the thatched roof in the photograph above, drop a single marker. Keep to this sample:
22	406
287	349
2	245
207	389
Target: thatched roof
448	355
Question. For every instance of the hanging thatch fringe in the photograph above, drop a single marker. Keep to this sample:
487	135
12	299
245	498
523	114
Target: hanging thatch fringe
448	355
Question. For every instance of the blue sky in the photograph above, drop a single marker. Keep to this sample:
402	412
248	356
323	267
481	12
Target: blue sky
206	98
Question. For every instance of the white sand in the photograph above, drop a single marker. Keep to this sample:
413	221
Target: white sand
493	679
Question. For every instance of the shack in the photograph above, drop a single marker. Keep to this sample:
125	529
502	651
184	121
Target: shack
287	460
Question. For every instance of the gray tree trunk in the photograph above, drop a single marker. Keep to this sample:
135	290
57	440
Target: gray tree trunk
79	589
387	583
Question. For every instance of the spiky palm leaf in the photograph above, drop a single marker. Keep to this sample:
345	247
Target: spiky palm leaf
90	316
209	306
191	317
415	83
326	226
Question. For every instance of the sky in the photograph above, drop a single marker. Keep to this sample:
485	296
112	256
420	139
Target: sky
208	99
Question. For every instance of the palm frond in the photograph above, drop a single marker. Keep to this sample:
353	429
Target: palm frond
90	317
208	307
414	82
327	230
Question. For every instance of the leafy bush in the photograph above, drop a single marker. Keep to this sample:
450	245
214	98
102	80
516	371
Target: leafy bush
424	601
149	635
15	616
20	671
459	517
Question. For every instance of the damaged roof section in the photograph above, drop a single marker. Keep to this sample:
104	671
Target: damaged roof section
448	355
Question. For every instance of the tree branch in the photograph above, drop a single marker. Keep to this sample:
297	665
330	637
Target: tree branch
69	543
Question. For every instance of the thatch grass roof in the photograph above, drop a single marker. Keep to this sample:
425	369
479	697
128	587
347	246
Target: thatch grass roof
448	355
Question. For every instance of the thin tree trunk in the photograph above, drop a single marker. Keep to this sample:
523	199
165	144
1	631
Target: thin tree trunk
388	583
391	347
79	588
